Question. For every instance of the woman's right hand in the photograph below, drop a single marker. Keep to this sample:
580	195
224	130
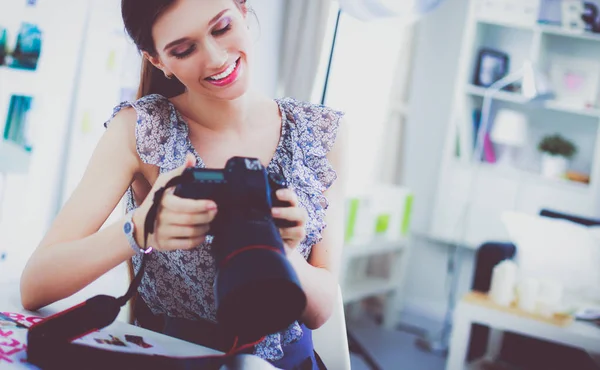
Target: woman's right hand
180	223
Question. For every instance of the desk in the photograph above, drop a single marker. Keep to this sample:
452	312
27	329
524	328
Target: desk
10	302
576	334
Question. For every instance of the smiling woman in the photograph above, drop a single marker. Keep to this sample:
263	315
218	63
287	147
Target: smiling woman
195	108
164	48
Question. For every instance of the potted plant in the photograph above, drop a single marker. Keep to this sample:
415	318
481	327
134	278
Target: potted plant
556	153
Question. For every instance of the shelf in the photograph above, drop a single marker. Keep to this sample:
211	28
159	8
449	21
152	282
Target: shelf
525	175
559	31
494	22
367	287
544	29
518	99
21	81
373	247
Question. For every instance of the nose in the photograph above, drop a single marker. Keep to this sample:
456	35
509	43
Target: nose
216	57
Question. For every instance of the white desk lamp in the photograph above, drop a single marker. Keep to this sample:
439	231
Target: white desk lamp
510	131
535	87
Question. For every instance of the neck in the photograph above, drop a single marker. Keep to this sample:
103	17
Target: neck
215	114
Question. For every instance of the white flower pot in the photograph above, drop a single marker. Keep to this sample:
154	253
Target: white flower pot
554	166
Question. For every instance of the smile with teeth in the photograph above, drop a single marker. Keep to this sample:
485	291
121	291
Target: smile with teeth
226	73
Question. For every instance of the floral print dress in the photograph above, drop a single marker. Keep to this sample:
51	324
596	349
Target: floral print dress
180	283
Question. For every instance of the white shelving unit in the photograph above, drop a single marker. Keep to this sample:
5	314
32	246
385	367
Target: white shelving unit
357	284
522	188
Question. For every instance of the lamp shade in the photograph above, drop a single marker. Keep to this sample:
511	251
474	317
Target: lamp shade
510	128
375	9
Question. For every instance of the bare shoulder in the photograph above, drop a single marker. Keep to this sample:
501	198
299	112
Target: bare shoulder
121	128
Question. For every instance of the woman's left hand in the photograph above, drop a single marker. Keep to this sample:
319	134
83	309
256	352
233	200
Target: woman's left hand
292	236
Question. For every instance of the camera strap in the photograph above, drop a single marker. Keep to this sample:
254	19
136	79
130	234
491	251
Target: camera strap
149	225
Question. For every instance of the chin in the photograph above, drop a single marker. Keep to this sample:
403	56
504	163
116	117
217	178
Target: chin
232	93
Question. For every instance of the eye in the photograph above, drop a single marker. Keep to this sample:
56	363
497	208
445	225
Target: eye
222	27
182	54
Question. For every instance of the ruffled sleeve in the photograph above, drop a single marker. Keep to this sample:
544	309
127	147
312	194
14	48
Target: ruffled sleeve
312	133
316	129
160	139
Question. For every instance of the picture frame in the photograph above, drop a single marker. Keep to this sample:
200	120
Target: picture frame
576	81
492	65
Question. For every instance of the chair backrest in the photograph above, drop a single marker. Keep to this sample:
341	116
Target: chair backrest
331	341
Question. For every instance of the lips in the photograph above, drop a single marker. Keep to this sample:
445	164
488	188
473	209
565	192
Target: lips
226	77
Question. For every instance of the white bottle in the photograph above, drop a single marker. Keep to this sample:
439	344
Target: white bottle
504	278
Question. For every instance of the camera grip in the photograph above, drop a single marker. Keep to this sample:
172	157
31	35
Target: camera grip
277	182
281	223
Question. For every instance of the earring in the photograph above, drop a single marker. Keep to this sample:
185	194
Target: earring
168	76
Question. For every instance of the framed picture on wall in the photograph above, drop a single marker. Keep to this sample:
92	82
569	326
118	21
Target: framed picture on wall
575	81
492	65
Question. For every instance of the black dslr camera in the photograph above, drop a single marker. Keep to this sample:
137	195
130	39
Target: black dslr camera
257	290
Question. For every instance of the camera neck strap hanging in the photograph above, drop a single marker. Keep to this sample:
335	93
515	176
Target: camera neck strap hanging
149	225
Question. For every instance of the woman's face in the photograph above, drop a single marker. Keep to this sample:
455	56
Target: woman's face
206	45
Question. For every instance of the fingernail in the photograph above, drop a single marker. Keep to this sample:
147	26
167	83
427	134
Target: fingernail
281	192
276	211
211	206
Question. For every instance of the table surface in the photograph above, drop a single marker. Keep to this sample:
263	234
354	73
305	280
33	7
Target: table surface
577	334
10	302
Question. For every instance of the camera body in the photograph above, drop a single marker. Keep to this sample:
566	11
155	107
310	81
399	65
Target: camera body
243	186
257	291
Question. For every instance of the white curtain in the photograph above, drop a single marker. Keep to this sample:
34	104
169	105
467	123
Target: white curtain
305	26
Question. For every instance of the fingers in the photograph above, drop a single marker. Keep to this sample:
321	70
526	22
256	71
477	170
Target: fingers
294	214
293	234
190	161
287	195
174	203
169	217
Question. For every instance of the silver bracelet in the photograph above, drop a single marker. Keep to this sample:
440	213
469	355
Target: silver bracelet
129	230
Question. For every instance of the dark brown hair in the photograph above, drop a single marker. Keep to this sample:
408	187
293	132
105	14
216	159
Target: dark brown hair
139	17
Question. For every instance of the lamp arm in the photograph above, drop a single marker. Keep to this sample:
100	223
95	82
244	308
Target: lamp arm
488	98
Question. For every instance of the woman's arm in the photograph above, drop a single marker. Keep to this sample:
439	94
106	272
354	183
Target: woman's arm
319	275
73	253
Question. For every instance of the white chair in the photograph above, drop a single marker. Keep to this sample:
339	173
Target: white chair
330	340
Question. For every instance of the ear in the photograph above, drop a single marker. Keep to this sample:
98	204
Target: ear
155	60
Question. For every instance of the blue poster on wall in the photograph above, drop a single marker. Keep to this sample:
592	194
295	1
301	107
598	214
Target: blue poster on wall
15	129
28	47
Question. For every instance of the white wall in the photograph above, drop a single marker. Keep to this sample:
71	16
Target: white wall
432	89
268	31
31	199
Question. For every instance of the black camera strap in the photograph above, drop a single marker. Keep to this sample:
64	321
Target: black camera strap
149	225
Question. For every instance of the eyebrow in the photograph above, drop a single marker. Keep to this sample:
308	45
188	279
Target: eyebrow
184	39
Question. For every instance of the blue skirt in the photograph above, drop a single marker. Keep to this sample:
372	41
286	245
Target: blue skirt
297	356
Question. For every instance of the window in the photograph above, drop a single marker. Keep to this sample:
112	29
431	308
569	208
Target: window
362	80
